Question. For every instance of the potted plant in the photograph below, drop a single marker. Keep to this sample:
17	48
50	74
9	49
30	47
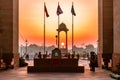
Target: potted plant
22	62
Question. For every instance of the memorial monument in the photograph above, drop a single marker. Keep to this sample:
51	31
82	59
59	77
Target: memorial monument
57	62
62	27
108	28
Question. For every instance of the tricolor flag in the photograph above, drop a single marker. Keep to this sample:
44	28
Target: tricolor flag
59	10
45	10
73	11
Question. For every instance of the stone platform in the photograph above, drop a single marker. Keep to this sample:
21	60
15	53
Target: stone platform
22	74
55	65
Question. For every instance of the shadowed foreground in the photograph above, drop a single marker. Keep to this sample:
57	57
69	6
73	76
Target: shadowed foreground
21	74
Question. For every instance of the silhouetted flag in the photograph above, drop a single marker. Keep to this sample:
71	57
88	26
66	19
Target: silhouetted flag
73	11
46	12
59	10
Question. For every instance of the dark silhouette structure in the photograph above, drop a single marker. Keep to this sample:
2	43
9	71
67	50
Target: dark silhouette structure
92	61
62	27
56	64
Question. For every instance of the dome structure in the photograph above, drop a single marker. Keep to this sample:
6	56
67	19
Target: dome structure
62	27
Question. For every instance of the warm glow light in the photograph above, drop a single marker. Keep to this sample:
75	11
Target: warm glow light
31	21
62	43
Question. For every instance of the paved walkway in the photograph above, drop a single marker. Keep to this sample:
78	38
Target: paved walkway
21	74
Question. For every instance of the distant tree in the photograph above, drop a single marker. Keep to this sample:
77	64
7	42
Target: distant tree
89	48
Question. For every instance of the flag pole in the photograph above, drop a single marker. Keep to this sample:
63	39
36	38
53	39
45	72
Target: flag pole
72	30
58	28
44	29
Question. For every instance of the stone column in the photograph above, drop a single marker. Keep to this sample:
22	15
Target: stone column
116	53
100	32
66	42
105	29
9	35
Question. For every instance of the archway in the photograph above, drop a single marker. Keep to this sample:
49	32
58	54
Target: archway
108	42
62	27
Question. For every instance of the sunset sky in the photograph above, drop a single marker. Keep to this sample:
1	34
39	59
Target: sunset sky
31	21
